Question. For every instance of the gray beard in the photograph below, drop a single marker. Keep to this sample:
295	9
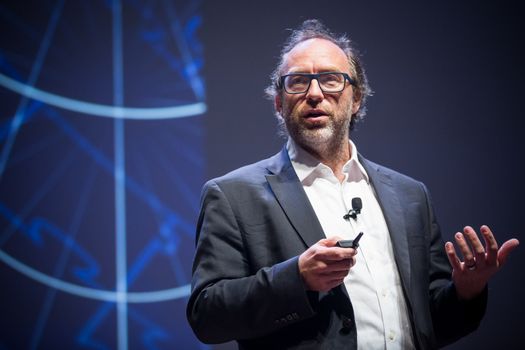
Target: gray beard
324	142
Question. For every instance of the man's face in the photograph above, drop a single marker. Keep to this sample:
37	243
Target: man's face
316	118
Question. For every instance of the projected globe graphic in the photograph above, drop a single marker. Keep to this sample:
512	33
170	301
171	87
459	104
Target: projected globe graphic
101	164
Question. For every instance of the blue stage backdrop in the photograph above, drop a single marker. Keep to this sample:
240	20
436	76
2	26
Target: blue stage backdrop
107	133
101	164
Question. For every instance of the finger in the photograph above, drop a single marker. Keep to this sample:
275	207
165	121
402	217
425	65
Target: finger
464	248
328	242
343	266
353	261
452	256
333	276
321	270
491	245
325	283
332	284
335	279
505	250
335	282
475	243
336	238
335	254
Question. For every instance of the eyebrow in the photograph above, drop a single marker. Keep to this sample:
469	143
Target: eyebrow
324	69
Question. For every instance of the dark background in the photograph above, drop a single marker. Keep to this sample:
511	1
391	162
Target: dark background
448	83
448	86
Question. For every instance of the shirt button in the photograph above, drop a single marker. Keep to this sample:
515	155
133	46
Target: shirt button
384	292
391	335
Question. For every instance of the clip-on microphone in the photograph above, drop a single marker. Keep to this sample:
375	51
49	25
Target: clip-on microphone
357	205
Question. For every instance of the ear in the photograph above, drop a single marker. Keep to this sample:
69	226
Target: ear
355	107
277	103
357	102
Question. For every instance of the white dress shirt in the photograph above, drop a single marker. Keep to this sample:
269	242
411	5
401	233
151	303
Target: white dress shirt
373	284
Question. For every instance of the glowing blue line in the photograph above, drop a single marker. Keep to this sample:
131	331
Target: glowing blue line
120	180
181	187
62	261
189	64
18	118
43	190
85	337
33	149
13	132
92	293
100	110
133	186
152	332
120	231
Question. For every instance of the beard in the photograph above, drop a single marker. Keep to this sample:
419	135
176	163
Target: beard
330	134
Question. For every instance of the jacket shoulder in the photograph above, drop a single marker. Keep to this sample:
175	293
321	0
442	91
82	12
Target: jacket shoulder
248	175
372	167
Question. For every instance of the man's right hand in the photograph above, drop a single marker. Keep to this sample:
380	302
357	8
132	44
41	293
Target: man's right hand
324	266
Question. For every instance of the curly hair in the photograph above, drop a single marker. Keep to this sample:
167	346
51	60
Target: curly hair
312	29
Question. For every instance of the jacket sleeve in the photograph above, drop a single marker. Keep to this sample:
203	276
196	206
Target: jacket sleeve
228	299
452	318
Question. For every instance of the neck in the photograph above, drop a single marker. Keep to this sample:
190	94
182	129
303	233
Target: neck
333	154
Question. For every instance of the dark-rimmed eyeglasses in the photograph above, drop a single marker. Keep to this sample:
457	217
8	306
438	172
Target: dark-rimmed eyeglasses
329	82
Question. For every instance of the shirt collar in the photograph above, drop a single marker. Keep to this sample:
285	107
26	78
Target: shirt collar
308	167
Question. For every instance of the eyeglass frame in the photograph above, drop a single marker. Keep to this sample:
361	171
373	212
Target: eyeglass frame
315	76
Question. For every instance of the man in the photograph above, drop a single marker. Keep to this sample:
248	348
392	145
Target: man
268	271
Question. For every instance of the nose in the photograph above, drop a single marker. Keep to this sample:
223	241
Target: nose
314	92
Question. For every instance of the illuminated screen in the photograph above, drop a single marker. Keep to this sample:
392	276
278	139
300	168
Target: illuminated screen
101	164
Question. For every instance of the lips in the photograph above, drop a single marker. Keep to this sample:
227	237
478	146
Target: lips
315	118
315	113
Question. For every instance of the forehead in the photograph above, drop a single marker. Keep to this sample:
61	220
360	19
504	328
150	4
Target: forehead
315	55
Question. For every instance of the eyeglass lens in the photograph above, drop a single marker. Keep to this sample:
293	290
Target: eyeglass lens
329	82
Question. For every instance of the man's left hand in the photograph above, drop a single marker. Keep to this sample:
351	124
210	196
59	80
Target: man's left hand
480	262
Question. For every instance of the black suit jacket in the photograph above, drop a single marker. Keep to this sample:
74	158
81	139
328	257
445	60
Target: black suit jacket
257	220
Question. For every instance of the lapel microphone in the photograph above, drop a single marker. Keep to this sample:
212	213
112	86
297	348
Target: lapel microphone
357	205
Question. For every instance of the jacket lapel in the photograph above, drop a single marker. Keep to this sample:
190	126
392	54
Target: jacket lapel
293	200
395	219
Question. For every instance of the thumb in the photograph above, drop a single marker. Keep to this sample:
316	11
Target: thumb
505	250
330	242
